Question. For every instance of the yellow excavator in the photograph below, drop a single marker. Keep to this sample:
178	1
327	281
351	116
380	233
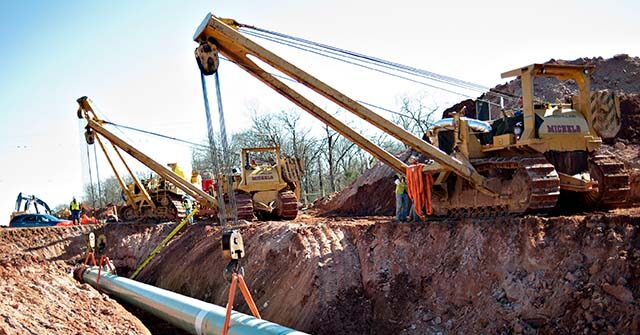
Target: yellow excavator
518	164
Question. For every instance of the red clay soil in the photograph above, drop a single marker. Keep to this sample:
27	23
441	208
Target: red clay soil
630	110
41	297
562	275
371	194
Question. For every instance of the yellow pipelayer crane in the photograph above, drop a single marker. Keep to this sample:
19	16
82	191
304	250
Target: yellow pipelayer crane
517	164
268	186
161	201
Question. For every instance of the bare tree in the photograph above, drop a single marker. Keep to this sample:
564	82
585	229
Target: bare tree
331	161
416	116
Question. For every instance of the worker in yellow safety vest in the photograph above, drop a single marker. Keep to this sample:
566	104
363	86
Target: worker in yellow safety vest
74	207
187	205
402	198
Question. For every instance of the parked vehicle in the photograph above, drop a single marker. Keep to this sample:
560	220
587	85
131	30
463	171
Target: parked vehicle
38	220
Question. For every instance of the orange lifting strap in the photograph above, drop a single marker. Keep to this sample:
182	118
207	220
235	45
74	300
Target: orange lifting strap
419	188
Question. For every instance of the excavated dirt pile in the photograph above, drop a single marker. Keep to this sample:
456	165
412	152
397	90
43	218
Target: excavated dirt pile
39	295
372	193
369	276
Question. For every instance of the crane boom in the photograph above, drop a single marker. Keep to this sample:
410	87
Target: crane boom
219	34
86	111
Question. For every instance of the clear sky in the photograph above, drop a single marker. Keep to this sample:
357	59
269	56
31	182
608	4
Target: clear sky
135	60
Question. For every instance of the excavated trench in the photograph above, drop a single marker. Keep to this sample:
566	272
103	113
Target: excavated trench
528	275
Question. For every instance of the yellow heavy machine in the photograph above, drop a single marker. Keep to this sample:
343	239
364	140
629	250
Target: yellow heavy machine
518	164
158	198
268	185
537	153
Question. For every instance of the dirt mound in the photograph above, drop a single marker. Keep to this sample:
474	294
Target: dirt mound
620	74
470	110
370	276
371	193
41	297
68	245
630	110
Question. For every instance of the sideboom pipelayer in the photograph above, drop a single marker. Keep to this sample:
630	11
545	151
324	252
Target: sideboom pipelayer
268	189
520	163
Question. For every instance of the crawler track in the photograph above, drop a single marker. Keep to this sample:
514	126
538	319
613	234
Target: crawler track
287	208
244	206
613	182
527	184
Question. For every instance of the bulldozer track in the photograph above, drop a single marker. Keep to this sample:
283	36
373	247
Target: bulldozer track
127	213
613	181
244	206
288	206
178	208
535	175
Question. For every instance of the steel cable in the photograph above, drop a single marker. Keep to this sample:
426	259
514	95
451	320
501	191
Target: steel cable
264	33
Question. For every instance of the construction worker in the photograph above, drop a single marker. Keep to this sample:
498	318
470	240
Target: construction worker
402	198
74	207
186	203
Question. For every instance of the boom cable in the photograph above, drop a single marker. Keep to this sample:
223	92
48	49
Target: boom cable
192	144
293	45
321	49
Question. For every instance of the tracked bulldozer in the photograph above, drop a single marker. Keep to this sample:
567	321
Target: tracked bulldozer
268	184
536	154
521	163
157	198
